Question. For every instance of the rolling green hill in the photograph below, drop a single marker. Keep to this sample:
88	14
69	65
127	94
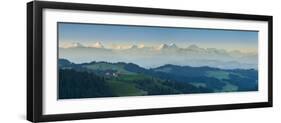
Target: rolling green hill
89	80
102	66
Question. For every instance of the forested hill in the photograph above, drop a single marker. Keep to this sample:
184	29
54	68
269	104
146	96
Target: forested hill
103	79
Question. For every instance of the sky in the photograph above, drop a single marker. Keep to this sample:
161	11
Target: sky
110	35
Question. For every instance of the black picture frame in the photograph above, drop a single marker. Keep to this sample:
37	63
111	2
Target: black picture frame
35	69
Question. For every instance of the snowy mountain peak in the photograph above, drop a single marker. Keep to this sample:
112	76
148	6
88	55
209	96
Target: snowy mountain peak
134	47
70	45
173	45
77	45
141	46
165	46
162	46
96	45
193	46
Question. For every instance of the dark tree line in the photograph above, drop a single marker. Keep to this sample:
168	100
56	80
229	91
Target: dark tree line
73	84
164	87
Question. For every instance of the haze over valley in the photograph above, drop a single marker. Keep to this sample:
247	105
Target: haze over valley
158	55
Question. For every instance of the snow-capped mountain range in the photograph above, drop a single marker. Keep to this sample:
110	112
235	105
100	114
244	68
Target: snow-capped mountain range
171	46
79	45
153	56
96	45
119	47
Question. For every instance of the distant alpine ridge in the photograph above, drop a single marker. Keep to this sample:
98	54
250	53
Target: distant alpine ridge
155	56
163	46
104	79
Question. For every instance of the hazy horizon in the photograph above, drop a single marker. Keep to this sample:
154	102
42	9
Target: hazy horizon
155	46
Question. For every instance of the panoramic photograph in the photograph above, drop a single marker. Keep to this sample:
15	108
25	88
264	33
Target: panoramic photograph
107	60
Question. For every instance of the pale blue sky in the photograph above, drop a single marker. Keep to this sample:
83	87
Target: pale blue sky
129	35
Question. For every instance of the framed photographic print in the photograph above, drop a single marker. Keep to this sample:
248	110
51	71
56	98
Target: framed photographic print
95	61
